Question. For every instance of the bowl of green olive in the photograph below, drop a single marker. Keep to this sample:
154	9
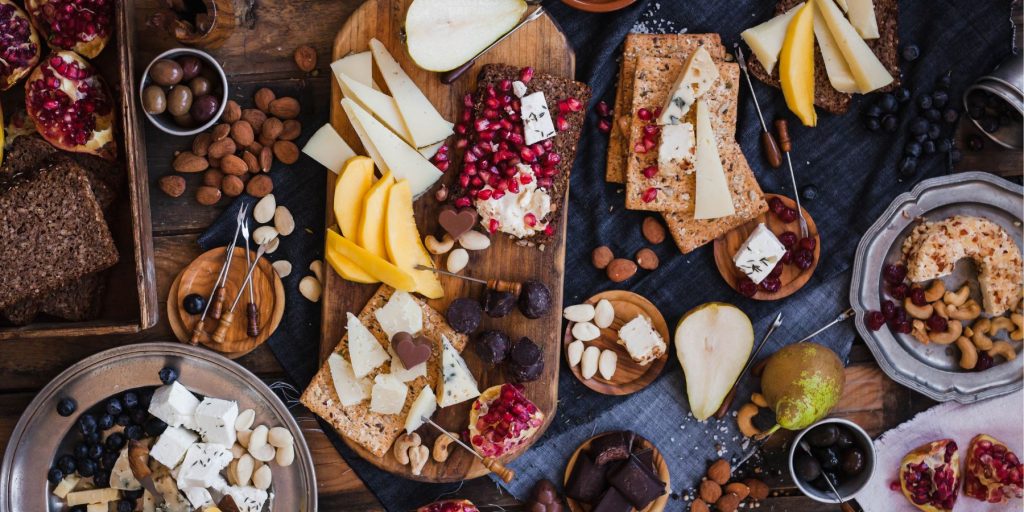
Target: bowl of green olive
183	91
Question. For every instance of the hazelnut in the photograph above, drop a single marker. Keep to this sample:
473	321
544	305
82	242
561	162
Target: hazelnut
710	491
727	503
172	185
720	471
653	231
601	257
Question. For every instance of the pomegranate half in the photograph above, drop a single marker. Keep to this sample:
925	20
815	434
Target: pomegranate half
930	476
71	106
449	506
502	420
82	26
994	473
19	44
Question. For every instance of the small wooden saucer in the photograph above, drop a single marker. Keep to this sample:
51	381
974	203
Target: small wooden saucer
629	376
640	444
792	277
199	276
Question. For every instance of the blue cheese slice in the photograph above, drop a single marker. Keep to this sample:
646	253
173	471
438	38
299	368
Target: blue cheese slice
350	390
759	254
457	382
537	122
714	200
423	407
699	74
364	351
401	314
388	395
678	145
121	476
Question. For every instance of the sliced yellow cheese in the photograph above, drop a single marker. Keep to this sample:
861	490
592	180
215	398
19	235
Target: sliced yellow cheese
862	17
714	200
370	233
377	103
796	66
404	245
425	124
345	267
838	71
699	74
379	268
356	65
350	187
328	148
765	40
869	72
92	496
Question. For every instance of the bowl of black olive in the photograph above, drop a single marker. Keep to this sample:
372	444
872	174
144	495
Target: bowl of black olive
840	451
183	91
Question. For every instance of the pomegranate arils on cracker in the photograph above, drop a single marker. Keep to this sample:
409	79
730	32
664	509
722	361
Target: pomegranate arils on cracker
561	124
644	114
649	195
650	171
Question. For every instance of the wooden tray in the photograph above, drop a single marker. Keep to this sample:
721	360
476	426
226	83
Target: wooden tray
792	277
660	466
122	311
539	44
629	377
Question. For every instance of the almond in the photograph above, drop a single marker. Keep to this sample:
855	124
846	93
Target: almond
620	269
266	159
207	196
285	108
212	178
231	164
647	259
305	58
699	505
251	163
221	131
758	489
271	130
214	162
291	130
232	186
260	185
263	140
222	147
601	257
242	132
262	99
187	161
255	148
232	112
286	152
172	185
201	144
727	503
653	231
739	489
255	118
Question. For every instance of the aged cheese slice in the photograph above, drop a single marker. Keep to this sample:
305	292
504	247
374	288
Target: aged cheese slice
765	40
349	107
714	200
838	71
842	4
431	150
379	104
400	314
457	382
92	496
425	124
350	390
365	352
356	65
862	17
392	153
423	407
699	74
869	72
388	395
328	148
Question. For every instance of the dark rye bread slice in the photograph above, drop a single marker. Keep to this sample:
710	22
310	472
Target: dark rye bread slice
565	142
54	233
886	48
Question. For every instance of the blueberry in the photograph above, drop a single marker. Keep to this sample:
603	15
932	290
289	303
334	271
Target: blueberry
55	475
106	421
902	94
132	495
86	467
809	192
194	304
975	143
890	123
131	400
155	426
928	147
125	506
145	397
123	419
921	137
944	145
114	407
95	451
924	101
92	438
908	166
873	124
944	81
955	155
66	407
934	131
940	98
911	52
115	441
932	114
919	126
168	375
951	115
67	464
873	111
990	124
81	450
888	103
133	432
139	416
101	479
87	424
77	508
109	459
912	149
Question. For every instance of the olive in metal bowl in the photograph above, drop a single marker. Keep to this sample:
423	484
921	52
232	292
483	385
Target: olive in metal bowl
191	67
179	101
822	436
166	72
204	108
853	462
806	467
154	100
200	86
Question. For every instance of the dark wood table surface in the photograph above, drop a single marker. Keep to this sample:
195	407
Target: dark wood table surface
261	55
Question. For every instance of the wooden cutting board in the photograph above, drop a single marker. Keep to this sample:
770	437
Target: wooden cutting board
541	45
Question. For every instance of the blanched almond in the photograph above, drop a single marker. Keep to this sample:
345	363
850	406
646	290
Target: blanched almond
317	268
310	288
263	212
579	313
279	437
474	240
283	268
258	438
604	314
585	331
264	234
285	455
457	260
607	363
575	352
243	469
588	366
265	453
262	478
283	221
244	420
273	245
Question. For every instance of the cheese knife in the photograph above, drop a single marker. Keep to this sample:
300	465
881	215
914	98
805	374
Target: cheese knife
218	292
450	76
138	461
494	465
500	285
768	143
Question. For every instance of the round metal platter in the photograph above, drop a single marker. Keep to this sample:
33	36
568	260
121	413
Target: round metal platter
41	433
933	370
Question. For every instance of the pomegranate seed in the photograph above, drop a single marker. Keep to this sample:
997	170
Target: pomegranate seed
644	114
513	186
464	181
462	202
484	194
563	107
442	166
498	194
525	179
544	182
650	171
492	103
575	105
650	194
652	129
467	101
526	154
561	124
639	147
552	159
525	75
603	110
548	231
649	144
604	126
530	220
505	85
481	125
461	143
657	112
493	225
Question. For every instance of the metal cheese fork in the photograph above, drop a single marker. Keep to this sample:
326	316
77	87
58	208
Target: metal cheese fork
252	312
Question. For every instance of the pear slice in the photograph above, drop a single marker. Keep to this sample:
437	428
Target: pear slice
713	342
442	34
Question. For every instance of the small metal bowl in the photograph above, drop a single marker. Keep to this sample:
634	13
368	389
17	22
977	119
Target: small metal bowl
164	121
849	488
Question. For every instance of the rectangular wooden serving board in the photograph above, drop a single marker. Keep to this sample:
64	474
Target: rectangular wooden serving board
129	302
539	44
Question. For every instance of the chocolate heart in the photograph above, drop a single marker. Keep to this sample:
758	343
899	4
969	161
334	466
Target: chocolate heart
412	351
457	222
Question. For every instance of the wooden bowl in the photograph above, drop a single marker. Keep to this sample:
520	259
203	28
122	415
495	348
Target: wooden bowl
598	5
792	277
629	376
660	466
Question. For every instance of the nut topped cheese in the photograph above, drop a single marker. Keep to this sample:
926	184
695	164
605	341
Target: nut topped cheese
519	213
759	254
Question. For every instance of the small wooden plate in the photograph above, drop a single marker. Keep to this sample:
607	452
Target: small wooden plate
629	376
660	466
598	5
793	278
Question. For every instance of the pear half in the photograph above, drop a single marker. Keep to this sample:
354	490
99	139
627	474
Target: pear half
444	34
713	342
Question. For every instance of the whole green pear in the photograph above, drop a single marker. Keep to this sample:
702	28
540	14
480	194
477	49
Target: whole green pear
802	382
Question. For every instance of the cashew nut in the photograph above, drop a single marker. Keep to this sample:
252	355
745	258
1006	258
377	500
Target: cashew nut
744	420
919	312
918	331
967	311
953	331
759	400
1018	320
982	325
940	309
418	457
439	247
1002	348
979	334
958	298
968	354
935	291
440	452
1001	324
403	445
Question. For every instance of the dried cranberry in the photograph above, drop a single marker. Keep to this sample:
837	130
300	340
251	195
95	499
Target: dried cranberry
747	288
771	284
917	296
776	272
644	114
776	205
787	215
787	258
937	324
874	320
900	291
803	259
788	239
603	110
808	244
985	362
902	327
888	309
894	273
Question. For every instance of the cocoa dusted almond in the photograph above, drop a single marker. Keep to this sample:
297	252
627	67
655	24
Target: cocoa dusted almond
172	185
620	269
601	257
653	231
647	259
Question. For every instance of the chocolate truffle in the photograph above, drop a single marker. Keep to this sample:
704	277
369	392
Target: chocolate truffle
492	346
463	315
526	362
534	299
587	480
545	498
637	484
524	374
498	303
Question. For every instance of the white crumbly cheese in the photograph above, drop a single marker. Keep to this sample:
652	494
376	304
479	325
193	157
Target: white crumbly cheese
423	407
247	499
643	343
388	395
364	351
457	382
759	254
198	497
678	145
400	372
511	209
121	476
202	465
171	446
401	314
519	88
174	404
699	74
215	421
350	390
537	122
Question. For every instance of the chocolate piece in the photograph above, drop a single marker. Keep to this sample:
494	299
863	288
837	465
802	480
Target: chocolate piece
411	350
611	447
526	362
457	222
638	484
525	352
545	498
492	346
646	458
612	501
587	480
464	315
534	299
498	303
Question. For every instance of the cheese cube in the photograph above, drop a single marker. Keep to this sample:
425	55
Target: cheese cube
401	314
121	476
97	507
247	499
643	343
714	200
388	395
198	497
869	72
174	404
457	382
759	254
92	496
215	421
351	390
202	465
677	145
66	485
423	407
537	122
172	445
765	40
364	351
699	74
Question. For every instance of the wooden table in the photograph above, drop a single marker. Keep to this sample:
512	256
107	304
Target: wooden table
259	56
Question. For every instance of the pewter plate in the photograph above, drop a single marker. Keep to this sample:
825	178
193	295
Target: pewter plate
933	370
40	433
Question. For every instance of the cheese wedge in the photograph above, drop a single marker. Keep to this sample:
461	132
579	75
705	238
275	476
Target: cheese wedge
714	200
392	153
364	351
765	40
400	314
404	244
351	390
388	395
862	17
356	65
423	407
457	382
378	267
842	4
838	71
425	124
796	66
869	72
379	104
349	107
328	148
370	233
350	187
428	152
699	74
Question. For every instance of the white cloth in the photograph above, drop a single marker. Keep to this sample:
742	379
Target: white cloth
1001	418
